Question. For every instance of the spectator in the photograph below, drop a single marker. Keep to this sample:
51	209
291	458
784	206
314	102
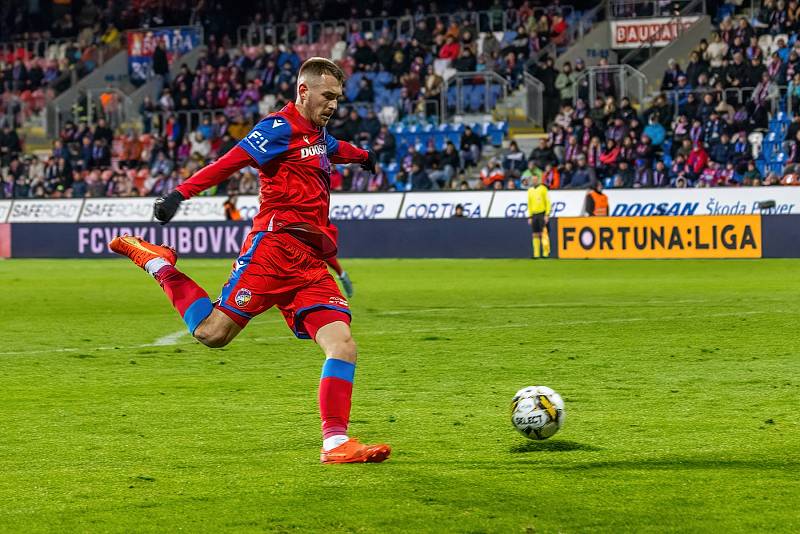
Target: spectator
514	160
583	176
160	66
450	161
200	147
418	179
471	148
161	165
491	173
450	50
670	79
466	61
565	83
384	145
697	160
542	154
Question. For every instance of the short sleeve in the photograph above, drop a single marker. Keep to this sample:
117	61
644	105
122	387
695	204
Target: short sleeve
268	139
332	143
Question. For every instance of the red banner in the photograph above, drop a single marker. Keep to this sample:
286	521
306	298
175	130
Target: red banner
656	31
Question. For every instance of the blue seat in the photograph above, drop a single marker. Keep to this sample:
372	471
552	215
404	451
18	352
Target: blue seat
383	78
451	97
454	135
391	171
427	133
496	131
439	140
476	98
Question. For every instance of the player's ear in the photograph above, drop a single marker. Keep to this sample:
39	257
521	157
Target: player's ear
302	89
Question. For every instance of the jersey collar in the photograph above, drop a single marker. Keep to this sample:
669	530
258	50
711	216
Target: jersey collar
291	110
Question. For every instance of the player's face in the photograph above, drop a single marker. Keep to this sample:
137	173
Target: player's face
322	98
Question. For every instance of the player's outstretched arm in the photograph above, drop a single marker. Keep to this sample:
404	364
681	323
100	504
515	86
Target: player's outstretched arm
234	160
344	152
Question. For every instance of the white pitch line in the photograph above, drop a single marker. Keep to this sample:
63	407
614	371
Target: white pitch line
169	339
537	305
397	331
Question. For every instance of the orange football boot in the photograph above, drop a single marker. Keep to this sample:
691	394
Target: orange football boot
140	251
351	452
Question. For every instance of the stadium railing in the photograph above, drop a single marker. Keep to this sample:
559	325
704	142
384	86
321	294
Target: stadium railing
311	31
51	49
628	82
738	95
653	8
692	8
472	92
534	99
189	119
575	32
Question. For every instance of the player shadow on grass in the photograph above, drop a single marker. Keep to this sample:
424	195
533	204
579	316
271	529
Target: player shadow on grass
552	446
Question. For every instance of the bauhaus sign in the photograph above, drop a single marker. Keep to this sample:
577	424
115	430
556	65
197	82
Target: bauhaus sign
734	236
653	31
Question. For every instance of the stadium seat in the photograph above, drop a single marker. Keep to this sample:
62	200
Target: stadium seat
391	172
476	98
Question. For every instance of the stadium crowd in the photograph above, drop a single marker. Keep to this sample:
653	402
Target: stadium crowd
698	130
696	133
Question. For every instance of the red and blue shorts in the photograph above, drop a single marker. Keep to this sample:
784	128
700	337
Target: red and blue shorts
275	269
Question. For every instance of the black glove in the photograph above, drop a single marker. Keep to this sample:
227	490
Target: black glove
369	164
166	207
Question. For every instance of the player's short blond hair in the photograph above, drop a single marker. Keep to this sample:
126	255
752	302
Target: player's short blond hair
317	66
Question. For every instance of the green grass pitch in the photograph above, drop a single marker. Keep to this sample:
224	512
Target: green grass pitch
681	381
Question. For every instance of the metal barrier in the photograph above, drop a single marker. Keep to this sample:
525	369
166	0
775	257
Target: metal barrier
647	49
31	47
575	32
189	120
394	28
487	79
111	104
731	95
623	9
534	100
625	81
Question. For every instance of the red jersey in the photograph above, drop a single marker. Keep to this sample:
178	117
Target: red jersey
294	159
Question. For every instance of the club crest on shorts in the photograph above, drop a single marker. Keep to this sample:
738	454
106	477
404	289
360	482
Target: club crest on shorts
243	296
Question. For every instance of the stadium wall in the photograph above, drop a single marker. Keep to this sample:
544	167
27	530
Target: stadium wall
420	225
725	236
449	238
425	205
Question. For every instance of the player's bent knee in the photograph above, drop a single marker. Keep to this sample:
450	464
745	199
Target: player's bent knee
216	330
342	349
211	338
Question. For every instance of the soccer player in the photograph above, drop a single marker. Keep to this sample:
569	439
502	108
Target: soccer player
344	278
538	215
282	262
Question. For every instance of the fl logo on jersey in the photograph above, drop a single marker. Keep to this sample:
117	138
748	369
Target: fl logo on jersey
243	296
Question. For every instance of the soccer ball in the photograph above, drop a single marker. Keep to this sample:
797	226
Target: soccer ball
537	412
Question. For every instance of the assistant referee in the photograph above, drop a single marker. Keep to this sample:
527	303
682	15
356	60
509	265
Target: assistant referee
538	215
